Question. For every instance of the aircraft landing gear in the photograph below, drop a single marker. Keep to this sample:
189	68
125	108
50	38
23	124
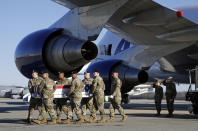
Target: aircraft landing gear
192	95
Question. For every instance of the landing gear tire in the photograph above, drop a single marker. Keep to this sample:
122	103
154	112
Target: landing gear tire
195	109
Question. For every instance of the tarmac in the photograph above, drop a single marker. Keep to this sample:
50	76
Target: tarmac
141	117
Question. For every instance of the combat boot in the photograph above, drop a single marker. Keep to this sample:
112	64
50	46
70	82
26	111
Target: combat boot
124	118
44	120
53	122
94	119
102	120
37	122
28	121
80	121
111	119
85	119
67	121
58	120
158	113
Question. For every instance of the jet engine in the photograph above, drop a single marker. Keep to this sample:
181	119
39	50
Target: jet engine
130	76
53	50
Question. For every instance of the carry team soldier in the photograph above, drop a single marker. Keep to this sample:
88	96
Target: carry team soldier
61	103
116	98
75	96
48	96
170	95
158	96
34	85
98	95
88	102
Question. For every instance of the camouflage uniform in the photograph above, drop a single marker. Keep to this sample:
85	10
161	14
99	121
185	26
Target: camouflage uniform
48	97
87	102
61	103
170	95
158	97
75	96
35	84
98	94
117	98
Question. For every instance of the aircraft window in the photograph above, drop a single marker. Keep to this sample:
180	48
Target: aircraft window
109	49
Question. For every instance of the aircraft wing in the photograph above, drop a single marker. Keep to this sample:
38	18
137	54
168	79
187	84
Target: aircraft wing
144	22
71	4
148	23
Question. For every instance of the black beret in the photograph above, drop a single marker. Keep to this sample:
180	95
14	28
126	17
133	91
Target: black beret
44	72
96	70
34	71
86	72
74	72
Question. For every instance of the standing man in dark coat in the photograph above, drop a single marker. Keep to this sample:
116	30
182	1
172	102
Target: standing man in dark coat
170	95
158	96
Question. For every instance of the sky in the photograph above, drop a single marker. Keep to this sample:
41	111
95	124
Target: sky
19	18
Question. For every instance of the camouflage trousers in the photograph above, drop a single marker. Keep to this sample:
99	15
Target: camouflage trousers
61	105
115	103
49	106
75	106
87	103
170	103
35	102
158	100
99	104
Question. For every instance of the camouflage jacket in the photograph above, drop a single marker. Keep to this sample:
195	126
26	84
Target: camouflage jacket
35	85
49	88
116	87
88	81
88	84
64	81
98	86
76	88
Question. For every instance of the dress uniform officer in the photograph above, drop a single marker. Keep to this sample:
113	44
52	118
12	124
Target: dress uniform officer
170	95
158	96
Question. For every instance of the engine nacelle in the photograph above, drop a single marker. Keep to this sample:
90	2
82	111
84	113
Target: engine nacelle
130	76
53	51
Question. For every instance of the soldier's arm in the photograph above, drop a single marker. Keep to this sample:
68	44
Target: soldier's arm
117	88
54	87
164	83
94	85
175	89
69	82
30	87
41	87
72	88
